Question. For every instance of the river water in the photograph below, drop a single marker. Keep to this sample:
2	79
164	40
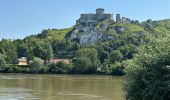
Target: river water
60	87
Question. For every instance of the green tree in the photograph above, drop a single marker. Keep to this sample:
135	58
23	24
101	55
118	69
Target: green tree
83	65
115	55
22	50
117	69
59	68
148	75
2	62
43	50
105	67
8	48
34	47
36	64
89	53
104	56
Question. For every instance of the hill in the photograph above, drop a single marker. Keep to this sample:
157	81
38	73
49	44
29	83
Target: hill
95	46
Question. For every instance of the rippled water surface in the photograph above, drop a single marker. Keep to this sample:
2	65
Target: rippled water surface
60	87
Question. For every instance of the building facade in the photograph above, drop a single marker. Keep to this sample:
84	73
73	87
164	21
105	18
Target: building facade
22	61
94	18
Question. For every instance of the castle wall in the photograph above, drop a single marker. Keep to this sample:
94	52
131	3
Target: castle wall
88	16
95	17
126	20
108	16
118	19
99	13
86	32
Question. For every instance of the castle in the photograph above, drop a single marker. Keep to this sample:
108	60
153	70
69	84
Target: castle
94	18
85	29
99	16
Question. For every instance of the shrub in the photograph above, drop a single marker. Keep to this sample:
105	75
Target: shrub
117	69
148	77
44	69
83	65
58	68
36	64
2	62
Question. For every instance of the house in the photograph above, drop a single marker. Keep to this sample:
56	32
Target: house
22	61
66	61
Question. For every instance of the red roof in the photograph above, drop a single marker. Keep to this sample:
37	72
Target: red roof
59	60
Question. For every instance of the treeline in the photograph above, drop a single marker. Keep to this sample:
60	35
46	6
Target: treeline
148	73
105	57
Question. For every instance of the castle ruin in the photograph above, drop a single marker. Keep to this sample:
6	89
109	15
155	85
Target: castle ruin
95	18
99	16
86	31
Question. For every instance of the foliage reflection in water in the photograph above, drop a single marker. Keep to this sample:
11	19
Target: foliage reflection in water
60	87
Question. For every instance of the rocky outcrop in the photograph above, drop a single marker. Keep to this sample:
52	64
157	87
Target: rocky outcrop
99	26
86	35
120	29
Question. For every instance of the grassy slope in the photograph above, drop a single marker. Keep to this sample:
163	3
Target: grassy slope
57	34
131	28
162	26
158	26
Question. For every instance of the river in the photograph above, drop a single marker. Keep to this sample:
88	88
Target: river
60	87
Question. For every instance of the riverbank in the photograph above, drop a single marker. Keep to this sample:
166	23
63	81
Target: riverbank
55	69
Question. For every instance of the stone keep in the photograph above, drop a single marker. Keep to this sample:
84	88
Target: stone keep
85	29
94	18
99	14
118	19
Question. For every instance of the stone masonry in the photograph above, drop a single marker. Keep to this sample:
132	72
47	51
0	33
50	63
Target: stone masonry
85	29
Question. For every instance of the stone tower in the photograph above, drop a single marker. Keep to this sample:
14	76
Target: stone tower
118	19
99	13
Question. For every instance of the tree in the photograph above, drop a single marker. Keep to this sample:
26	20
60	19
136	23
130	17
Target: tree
115	55
22	50
117	69
105	67
148	75
63	48
43	50
58	68
104	56
36	64
89	53
8	48
2	62
34	47
83	65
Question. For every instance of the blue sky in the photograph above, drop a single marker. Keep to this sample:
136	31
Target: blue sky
20	18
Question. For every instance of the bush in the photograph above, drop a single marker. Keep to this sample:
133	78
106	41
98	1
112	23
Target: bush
36	64
58	68
44	69
15	69
148	77
2	62
83	66
117	69
115	55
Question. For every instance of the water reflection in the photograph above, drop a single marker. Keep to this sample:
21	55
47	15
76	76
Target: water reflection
16	94
59	87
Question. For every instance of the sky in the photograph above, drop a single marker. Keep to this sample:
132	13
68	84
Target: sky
21	18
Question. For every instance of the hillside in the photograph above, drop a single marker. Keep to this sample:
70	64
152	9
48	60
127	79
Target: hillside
54	34
162	26
99	46
61	34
